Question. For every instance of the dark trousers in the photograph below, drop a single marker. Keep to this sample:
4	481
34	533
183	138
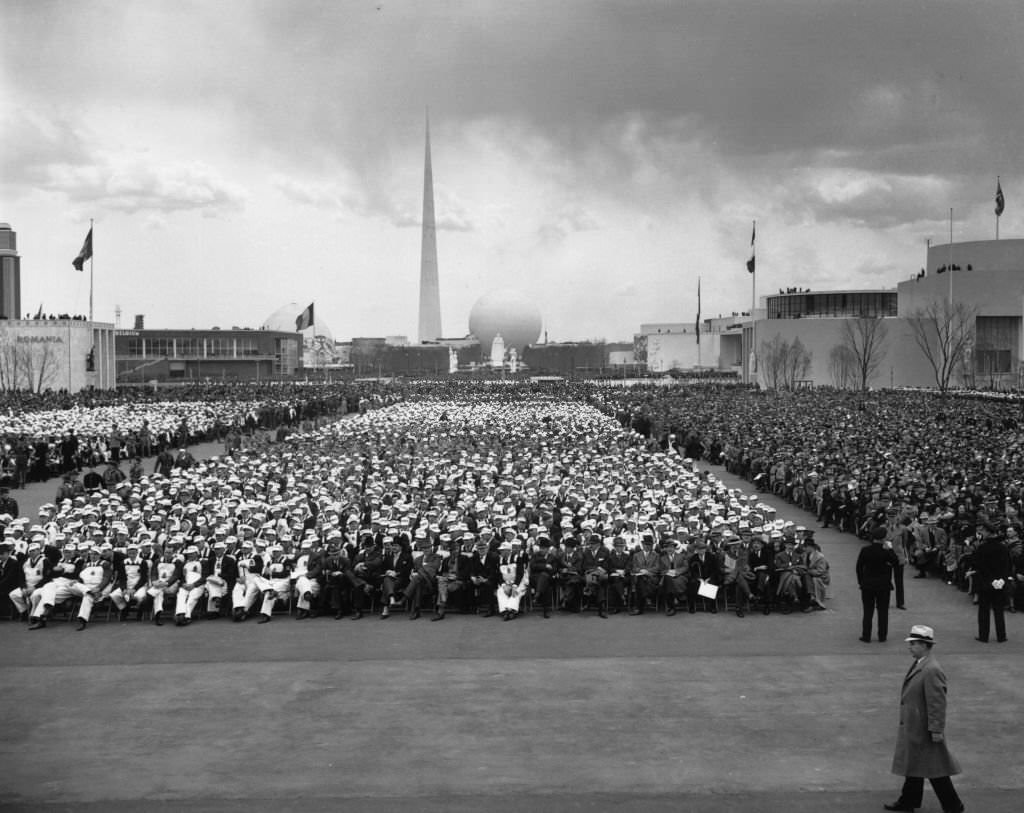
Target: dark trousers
542	589
875	601
897	578
913	792
991	601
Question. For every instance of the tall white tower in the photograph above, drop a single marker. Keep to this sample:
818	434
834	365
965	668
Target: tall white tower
430	292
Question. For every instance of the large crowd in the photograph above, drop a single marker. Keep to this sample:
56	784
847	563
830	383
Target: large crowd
499	500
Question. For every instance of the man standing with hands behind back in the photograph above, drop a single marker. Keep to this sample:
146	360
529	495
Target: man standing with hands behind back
875	565
921	751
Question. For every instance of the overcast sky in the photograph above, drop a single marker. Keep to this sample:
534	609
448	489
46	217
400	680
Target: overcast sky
599	156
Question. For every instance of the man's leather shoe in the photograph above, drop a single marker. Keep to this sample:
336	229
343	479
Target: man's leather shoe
547	613
865	640
301	614
671	611
438	616
636	611
414	614
264	618
489	613
601	613
158	618
37	624
1000	640
901	606
898	805
982	640
357	615
959	809
740	614
82	624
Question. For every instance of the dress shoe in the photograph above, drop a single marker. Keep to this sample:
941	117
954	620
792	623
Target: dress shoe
301	615
489	613
601	613
865	640
385	614
901	606
414	615
338	615
158	619
740	614
37	624
505	616
898	805
982	640
615	611
636	611
714	610
264	618
1000	640
671	612
881	639
958	809
547	613
438	616
237	615
357	615
82	624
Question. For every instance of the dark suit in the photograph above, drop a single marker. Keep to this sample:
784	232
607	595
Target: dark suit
875	566
484	574
400	562
544	566
992	561
704	565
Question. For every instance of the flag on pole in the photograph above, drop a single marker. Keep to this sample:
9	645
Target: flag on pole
304	319
1000	200
698	310
751	262
85	253
39	313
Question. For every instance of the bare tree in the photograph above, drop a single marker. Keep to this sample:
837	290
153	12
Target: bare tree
773	362
943	332
865	339
842	367
784	363
798	362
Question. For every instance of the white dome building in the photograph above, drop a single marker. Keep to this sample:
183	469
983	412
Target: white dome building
317	339
508	312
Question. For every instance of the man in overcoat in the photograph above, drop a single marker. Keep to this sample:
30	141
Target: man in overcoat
921	751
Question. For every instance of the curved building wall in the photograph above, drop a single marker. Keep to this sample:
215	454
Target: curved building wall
981	255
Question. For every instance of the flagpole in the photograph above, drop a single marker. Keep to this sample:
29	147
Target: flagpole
92	252
698	326
951	259
753	318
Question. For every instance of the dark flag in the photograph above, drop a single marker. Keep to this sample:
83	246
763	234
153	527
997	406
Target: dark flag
39	313
751	262
304	319
85	253
1000	200
698	310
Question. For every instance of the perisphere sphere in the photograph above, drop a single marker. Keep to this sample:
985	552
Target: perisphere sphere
508	312
284	319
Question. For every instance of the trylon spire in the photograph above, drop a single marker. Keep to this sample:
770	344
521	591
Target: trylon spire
430	293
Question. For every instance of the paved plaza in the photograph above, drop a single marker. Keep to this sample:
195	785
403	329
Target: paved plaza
696	712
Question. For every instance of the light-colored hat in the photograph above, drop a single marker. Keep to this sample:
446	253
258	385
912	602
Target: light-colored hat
919	632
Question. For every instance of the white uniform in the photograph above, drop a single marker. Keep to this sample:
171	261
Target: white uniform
193	590
134	589
275	582
216	586
23	597
94	586
303	584
60	588
160	587
243	597
509	593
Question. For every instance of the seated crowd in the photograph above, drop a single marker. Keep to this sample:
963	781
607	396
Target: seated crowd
491	505
934	469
